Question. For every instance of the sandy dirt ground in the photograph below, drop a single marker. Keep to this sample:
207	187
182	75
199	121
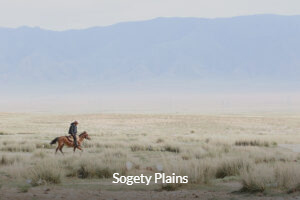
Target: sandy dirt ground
292	147
51	193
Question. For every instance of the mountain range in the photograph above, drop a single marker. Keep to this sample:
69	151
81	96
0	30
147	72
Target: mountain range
260	52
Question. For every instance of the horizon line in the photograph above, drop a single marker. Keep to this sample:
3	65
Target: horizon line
144	20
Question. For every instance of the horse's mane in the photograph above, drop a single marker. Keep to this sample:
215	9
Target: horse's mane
84	132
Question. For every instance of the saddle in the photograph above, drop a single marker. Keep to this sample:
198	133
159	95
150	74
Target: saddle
70	138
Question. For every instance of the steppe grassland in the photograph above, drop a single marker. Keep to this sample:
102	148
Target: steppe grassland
207	148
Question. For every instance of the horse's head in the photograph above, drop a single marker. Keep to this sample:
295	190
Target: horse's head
85	135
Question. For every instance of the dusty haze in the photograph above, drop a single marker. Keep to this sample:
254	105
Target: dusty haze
155	103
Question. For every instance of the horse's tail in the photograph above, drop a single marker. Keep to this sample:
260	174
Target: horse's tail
54	141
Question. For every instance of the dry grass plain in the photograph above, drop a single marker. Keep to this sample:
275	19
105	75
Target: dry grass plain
225	156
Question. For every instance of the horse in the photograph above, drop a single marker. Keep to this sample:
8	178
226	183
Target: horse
65	140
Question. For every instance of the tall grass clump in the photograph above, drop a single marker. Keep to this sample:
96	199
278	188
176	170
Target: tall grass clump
92	170
6	161
171	148
254	143
287	176
170	186
231	167
160	140
95	167
258	178
45	172
19	148
44	146
281	176
137	147
39	154
198	172
9	160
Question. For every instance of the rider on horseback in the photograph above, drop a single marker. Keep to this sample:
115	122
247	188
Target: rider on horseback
73	132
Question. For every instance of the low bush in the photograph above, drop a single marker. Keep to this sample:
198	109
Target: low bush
253	143
86	171
137	147
170	186
5	160
159	140
39	154
171	148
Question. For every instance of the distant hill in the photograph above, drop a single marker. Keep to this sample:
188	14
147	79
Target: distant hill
259	52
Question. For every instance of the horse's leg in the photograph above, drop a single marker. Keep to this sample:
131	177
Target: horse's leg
74	149
60	149
57	149
80	148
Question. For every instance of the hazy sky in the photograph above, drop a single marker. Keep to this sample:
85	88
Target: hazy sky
66	14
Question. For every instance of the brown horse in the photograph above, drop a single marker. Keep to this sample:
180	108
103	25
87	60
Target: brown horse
65	140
